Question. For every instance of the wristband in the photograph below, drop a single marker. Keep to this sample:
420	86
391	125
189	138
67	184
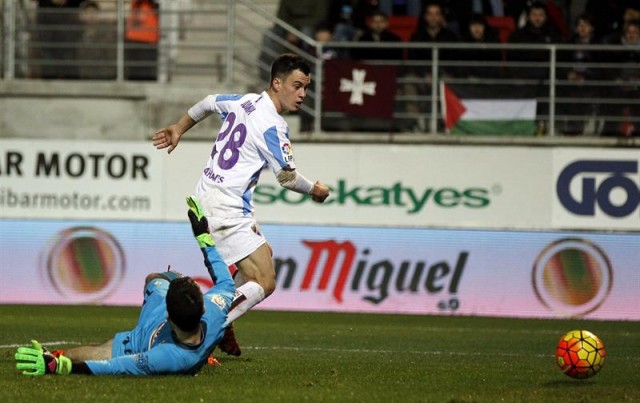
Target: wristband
293	180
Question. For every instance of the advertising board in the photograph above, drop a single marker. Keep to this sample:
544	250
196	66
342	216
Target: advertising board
342	269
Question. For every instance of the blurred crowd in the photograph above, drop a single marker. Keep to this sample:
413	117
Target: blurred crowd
513	21
74	39
584	22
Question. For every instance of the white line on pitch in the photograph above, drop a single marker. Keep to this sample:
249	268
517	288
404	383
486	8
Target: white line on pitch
347	350
416	352
44	343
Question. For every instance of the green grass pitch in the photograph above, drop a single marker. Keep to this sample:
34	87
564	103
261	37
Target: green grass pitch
320	357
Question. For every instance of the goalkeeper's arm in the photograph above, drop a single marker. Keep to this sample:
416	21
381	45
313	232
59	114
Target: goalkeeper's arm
36	360
80	368
217	268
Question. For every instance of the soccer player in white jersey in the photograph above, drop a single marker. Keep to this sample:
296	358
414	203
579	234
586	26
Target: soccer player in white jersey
253	135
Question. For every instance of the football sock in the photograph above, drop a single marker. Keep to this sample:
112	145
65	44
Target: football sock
248	295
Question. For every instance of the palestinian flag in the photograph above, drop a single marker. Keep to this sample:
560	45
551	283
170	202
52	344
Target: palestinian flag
488	109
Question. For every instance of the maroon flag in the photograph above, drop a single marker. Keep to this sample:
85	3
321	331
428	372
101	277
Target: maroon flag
359	89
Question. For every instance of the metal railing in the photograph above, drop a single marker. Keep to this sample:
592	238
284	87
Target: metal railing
90	42
233	42
601	94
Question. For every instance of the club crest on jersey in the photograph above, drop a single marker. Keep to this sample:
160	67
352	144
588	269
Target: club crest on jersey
287	152
218	300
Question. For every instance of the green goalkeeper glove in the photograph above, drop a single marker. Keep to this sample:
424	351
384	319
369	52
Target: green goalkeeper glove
199	223
36	360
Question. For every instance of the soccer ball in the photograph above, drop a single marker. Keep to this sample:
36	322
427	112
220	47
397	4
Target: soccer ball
580	354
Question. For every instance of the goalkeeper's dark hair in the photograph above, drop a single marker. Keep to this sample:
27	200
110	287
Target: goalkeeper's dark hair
184	303
286	63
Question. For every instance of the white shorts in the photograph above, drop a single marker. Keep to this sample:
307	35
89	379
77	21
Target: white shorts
236	237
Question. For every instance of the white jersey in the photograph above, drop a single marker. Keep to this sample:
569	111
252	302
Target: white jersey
253	136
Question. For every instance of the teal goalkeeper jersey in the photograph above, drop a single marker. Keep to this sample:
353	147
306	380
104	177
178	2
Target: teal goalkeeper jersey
151	347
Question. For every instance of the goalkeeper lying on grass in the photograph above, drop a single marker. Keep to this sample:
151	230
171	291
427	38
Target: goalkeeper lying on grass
176	332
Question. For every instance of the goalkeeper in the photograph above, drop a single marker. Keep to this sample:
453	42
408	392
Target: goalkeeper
178	328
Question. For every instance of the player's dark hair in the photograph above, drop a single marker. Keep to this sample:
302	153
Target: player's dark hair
538	5
184	303
286	63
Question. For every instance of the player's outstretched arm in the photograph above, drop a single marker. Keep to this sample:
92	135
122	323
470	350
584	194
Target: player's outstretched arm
169	137
218	269
199	223
36	361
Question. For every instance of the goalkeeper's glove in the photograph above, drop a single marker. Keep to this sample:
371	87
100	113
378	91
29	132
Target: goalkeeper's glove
199	223
36	360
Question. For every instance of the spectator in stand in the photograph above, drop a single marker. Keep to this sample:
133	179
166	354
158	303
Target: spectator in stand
460	13
324	34
304	15
609	15
629	14
627	76
96	53
580	117
537	30
58	30
341	21
449	10
348	18
142	34
377	32
556	13
482	63
431	29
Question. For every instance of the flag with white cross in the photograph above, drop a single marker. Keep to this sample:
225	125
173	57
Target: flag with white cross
359	89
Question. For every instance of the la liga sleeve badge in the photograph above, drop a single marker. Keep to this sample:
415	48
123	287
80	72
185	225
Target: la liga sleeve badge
287	152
